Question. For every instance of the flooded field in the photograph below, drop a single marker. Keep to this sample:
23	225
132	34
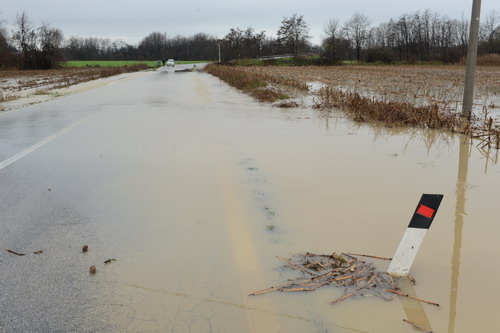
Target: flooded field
419	85
195	189
25	87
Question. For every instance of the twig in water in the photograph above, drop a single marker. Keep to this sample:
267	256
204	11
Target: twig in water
369	256
323	266
415	325
415	298
296	266
341	298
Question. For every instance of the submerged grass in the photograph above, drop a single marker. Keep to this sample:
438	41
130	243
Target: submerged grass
259	85
393	113
389	112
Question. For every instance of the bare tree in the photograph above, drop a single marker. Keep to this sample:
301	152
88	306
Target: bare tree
154	45
463	30
24	36
49	45
357	28
40	48
293	34
489	29
333	32
4	39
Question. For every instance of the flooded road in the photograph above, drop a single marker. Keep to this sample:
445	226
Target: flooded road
195	189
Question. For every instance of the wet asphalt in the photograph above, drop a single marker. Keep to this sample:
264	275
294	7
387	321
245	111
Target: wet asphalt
51	162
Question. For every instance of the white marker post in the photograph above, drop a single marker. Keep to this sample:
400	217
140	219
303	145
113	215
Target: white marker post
417	229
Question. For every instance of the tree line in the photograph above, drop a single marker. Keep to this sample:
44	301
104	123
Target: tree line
418	36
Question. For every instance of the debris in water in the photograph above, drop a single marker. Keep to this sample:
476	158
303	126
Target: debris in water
109	261
415	325
85	248
186	70
16	253
93	270
369	256
359	278
289	104
415	298
38	252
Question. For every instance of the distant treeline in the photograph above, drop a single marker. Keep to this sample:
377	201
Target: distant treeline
419	36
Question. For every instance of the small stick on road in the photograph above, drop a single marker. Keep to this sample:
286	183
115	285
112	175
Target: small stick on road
16	253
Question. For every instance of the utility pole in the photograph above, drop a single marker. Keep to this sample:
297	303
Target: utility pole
218	43
470	71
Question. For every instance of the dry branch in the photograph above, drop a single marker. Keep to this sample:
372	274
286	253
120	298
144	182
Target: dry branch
369	256
415	325
415	298
341	298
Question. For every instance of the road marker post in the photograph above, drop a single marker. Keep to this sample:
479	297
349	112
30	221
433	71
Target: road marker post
417	229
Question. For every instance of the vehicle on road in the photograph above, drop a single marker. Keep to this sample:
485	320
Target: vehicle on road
170	62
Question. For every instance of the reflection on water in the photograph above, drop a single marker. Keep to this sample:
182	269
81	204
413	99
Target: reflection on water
414	310
463	167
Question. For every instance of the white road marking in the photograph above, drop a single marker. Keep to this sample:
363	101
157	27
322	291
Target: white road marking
41	143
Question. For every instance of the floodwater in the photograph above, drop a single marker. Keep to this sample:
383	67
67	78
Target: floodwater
449	98
195	189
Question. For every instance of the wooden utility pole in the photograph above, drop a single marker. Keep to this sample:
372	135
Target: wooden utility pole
470	71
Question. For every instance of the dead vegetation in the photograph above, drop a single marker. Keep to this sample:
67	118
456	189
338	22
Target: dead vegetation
486	131
262	86
390	112
491	59
356	277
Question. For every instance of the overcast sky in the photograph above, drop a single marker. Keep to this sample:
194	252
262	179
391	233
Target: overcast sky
131	20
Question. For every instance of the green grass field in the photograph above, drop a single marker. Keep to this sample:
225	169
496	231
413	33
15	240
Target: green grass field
117	63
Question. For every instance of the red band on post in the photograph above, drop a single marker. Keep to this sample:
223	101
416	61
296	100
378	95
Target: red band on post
425	211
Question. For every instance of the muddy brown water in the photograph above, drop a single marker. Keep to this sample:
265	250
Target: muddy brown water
195	189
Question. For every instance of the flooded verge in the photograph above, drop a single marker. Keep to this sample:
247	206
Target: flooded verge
196	189
371	104
20	88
